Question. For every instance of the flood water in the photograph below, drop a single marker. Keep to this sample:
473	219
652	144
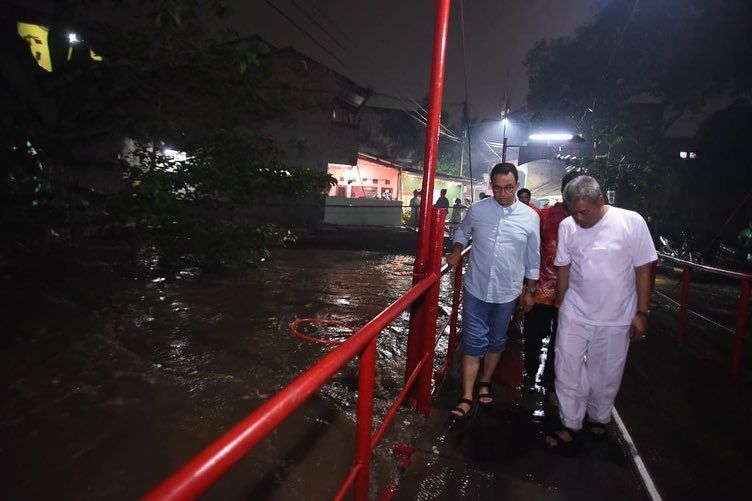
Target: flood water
112	378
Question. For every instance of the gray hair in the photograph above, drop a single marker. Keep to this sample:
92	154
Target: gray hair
582	188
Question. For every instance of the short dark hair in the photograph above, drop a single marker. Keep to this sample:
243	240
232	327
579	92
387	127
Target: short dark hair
443	191
524	190
505	168
568	177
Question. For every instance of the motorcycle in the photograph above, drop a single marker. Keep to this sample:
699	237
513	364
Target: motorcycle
682	251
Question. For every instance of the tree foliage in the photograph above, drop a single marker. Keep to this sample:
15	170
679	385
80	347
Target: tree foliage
639	67
164	82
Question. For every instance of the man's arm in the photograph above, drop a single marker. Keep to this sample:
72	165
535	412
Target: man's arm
453	258
562	283
639	326
532	268
461	239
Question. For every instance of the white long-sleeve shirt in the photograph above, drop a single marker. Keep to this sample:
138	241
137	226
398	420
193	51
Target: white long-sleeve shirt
506	249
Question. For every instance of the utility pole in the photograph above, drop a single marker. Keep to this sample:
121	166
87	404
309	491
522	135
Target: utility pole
504	120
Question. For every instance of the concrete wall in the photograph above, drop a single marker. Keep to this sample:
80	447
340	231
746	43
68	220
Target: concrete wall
362	212
542	174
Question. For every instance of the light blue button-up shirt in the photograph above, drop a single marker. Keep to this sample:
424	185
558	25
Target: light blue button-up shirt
506	249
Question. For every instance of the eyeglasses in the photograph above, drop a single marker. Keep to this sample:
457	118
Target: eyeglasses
506	189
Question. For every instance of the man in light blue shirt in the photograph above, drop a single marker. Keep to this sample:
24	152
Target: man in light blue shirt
506	249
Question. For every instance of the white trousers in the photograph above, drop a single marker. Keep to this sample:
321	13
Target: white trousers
589	365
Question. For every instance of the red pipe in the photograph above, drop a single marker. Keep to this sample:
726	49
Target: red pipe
741	326
400	398
436	87
348	482
453	332
431	312
202	471
683	305
363	427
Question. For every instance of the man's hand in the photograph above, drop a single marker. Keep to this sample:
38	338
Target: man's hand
453	258
527	301
639	328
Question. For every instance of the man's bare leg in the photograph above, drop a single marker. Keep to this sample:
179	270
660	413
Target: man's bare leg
470	368
490	361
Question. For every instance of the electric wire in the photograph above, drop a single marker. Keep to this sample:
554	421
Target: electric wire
447	131
313	39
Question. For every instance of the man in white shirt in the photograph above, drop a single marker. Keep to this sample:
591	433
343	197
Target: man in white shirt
506	249
604	258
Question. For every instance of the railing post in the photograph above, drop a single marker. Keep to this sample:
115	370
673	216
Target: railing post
741	326
430	313
363	428
456	295
683	305
420	268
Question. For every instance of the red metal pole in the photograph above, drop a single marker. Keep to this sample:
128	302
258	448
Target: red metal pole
683	305
453	332
363	428
436	88
431	313
741	326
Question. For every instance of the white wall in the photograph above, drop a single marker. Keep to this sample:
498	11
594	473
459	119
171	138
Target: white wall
362	212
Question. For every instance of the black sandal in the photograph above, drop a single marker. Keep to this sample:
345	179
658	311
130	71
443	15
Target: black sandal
592	426
488	396
562	446
454	417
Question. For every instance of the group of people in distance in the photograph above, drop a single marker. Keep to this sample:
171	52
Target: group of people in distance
580	271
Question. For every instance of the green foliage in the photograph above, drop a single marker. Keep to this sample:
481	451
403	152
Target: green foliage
190	210
164	81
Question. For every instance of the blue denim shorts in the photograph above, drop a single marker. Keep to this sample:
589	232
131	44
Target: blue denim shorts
484	325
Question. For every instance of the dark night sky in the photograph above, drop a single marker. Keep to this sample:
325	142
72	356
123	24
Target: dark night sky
393	42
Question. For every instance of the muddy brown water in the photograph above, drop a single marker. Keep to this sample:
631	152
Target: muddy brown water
111	379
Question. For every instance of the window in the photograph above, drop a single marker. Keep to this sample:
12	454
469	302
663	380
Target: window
375	181
342	178
688	155
344	114
386	181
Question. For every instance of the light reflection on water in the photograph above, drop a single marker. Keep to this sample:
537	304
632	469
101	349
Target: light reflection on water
122	379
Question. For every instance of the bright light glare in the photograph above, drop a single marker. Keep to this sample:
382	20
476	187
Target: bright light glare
73	38
504	121
551	136
175	155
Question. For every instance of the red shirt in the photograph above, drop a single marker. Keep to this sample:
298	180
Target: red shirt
535	208
550	217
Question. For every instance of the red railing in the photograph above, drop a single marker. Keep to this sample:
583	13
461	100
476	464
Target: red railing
205	469
215	460
741	316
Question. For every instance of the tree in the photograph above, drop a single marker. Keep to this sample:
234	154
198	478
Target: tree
163	82
636	70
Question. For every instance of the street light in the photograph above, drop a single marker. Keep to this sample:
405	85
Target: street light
551	136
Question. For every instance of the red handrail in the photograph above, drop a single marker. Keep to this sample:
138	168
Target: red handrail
202	471
206	468
741	315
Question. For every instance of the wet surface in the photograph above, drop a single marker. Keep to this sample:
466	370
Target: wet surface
688	421
111	379
499	454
